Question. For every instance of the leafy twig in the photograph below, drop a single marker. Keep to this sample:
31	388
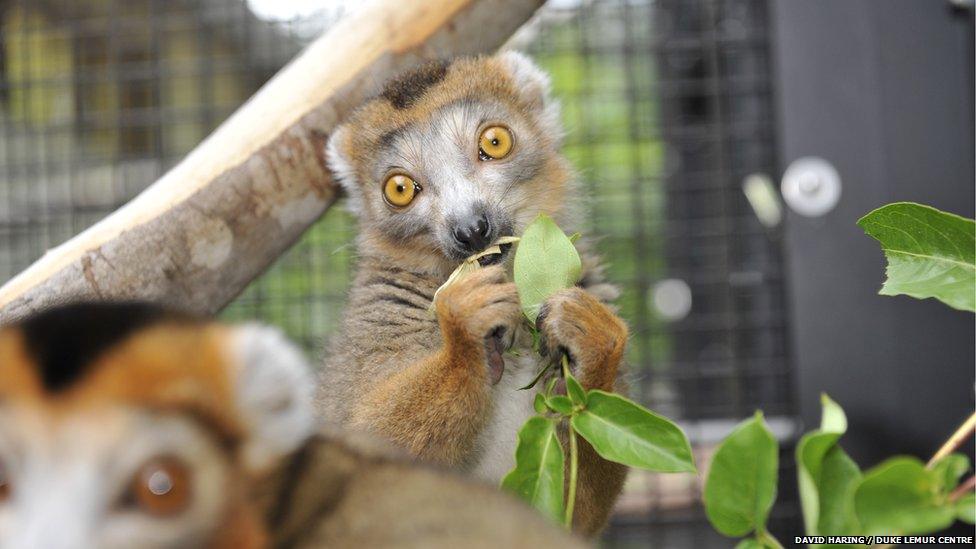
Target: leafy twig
769	540
573	464
471	264
573	472
617	429
536	379
968	486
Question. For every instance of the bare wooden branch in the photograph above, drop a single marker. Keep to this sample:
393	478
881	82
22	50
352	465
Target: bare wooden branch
197	236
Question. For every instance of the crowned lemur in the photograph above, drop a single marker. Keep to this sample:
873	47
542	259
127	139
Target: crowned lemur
447	159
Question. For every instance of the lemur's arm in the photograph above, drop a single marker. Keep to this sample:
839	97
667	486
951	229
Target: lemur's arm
595	338
436	405
433	407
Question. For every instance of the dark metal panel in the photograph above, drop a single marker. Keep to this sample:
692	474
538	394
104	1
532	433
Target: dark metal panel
883	90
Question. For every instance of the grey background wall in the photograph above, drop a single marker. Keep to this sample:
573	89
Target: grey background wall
883	90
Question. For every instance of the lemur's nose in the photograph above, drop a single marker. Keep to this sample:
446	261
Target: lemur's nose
472	234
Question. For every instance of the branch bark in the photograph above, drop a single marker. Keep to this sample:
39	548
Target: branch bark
197	236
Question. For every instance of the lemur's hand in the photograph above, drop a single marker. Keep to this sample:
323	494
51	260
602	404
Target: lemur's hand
575	322
478	316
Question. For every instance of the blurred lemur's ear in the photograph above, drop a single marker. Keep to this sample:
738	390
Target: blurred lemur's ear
274	389
342	167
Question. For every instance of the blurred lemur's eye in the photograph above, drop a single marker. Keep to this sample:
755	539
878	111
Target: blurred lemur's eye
4	484
495	143
161	487
400	190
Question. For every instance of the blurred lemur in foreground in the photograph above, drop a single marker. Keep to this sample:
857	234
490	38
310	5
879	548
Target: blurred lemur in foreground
125	426
447	159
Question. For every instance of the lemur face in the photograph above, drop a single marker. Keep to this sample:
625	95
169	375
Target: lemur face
108	478
124	427
451	157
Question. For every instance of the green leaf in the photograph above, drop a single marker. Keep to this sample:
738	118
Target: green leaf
535	379
575	391
550	385
625	432
826	476
538	474
949	470
759	542
839	477
930	253
966	508
561	404
832	416
545	262
540	404
767	541
901	496
741	483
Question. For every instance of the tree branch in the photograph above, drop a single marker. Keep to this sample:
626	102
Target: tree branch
196	237
954	441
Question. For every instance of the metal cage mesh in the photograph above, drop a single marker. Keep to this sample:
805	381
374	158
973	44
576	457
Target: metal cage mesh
668	111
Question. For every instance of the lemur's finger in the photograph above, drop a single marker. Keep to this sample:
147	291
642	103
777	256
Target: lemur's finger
498	293
575	323
503	296
500	314
566	318
494	274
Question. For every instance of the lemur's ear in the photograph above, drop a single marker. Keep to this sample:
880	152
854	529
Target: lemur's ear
533	83
342	167
274	389
534	86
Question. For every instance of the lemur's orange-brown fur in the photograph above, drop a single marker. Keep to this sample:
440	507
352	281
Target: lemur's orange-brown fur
599	340
164	368
475	78
322	489
440	392
423	382
168	369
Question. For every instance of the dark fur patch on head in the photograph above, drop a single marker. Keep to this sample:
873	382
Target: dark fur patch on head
65	340
387	138
404	90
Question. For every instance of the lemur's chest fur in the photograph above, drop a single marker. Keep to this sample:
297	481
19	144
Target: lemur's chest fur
387	326
511	408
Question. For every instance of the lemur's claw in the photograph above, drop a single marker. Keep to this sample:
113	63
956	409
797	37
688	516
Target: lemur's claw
494	349
575	324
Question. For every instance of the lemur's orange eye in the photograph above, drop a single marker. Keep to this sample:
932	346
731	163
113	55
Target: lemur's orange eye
400	190
161	487
495	143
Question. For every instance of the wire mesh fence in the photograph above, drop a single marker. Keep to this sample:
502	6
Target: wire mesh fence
668	110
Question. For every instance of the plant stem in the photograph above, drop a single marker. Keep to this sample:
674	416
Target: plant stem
961	490
955	441
573	471
768	538
573	464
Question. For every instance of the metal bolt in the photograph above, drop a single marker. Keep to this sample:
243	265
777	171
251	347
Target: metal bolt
811	186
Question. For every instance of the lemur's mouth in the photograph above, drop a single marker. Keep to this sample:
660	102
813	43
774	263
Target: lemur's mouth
492	259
